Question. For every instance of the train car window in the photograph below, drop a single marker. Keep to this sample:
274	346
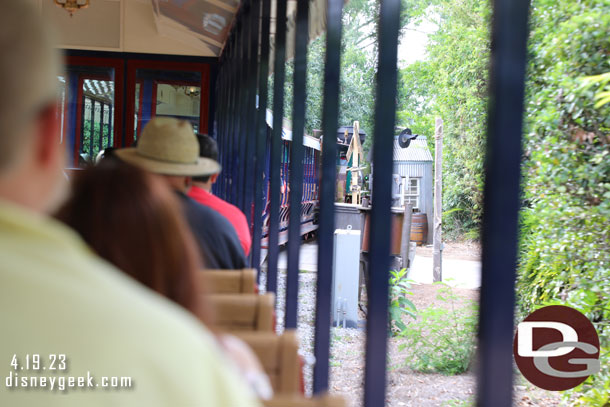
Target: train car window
87	111
169	94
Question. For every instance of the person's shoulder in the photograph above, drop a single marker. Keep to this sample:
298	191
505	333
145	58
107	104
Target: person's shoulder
209	215
169	341
234	209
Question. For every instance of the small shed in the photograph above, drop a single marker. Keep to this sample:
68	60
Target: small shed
414	166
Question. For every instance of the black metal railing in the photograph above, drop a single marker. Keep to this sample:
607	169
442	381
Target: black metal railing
296	161
501	201
241	131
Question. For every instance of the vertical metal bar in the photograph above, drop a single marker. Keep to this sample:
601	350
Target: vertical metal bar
296	161
91	129
279	74
234	114
82	130
110	126
501	201
261	134
233	74
241	134
326	229
385	112
250	133
213	100
219	128
101	145
225	71
226	84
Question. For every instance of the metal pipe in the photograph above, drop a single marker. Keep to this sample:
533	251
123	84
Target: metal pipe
261	135
279	72
250	112
501	201
240	116
330	114
385	108
296	162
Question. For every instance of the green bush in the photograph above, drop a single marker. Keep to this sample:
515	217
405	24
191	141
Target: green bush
442	340
565	239
400	305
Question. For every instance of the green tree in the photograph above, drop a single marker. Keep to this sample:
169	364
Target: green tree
565	244
452	83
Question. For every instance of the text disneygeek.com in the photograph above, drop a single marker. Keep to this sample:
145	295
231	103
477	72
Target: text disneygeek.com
26	374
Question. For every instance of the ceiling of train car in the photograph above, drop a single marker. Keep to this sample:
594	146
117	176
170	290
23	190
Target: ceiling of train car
208	21
182	27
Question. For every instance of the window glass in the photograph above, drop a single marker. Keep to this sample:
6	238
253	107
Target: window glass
87	111
167	94
412	192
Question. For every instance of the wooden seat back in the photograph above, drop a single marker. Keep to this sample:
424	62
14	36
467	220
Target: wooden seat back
227	281
300	401
279	356
243	312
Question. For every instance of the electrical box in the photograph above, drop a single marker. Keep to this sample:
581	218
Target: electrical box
346	273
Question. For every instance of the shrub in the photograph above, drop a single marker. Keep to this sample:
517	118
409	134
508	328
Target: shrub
399	304
442	339
565	244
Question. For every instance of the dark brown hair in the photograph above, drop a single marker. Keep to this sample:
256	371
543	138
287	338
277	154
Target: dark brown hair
133	220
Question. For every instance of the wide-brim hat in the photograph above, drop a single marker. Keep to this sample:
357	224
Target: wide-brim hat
169	146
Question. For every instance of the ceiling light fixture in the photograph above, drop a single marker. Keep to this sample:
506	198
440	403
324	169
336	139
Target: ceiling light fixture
72	5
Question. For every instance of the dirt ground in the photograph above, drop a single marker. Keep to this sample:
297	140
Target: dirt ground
407	387
466	250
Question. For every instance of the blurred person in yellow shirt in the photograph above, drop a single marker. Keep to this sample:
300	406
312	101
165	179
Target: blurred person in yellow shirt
76	331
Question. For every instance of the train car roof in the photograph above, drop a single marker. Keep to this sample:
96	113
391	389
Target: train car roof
171	27
308	141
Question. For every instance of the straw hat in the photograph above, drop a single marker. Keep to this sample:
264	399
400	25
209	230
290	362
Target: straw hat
169	146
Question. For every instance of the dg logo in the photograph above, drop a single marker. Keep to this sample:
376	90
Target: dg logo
556	348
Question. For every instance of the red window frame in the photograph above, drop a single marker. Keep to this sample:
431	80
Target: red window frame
119	78
134	65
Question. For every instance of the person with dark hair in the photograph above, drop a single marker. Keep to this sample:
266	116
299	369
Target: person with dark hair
201	191
143	233
168	147
132	219
62	307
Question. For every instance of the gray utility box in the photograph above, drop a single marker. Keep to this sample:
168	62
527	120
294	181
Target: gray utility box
346	268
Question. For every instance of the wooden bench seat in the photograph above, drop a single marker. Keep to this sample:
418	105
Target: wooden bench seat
299	401
227	281
243	312
279	357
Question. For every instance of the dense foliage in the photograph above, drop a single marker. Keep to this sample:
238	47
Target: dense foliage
451	83
565	231
356	99
565	245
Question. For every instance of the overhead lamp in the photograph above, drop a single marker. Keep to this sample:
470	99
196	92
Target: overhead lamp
72	5
192	91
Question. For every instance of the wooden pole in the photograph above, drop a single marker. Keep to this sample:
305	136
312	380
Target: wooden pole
406	235
437	269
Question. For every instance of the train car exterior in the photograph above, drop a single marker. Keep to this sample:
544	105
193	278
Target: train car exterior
309	197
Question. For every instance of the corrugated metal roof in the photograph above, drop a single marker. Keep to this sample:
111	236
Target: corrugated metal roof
417	150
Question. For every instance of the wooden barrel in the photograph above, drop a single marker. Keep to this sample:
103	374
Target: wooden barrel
419	228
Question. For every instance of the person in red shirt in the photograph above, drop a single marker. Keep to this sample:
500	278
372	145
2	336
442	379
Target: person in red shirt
201	191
